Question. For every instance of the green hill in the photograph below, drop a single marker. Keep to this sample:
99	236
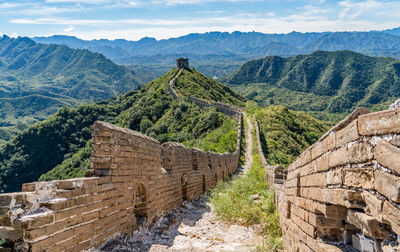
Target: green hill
333	82
285	134
37	79
193	83
62	141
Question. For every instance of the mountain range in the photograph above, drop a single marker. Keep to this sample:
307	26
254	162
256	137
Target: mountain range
37	79
325	82
215	46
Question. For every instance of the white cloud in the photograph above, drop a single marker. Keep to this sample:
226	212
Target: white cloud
69	28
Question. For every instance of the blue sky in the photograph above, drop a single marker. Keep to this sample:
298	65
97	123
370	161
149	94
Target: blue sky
134	19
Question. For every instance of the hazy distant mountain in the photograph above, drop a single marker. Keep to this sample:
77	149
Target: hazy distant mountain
237	45
37	79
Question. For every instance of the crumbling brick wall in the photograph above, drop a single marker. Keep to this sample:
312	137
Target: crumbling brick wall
135	178
343	192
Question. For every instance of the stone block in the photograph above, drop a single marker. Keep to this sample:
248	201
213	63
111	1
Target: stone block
368	224
343	197
359	177
34	220
329	142
347	134
351	153
321	163
28	187
360	152
388	185
338	157
379	123
373	204
388	155
317	150
391	215
364	244
334	177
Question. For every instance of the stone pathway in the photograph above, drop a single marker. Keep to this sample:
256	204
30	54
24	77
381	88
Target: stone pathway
192	227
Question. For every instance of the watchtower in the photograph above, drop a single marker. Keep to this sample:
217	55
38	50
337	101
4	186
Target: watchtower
182	63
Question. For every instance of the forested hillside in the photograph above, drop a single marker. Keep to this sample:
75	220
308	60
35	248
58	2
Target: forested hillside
285	134
37	79
62	141
334	82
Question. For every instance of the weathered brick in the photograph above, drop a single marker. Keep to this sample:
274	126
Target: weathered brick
391	215
28	187
343	197
321	163
373	204
379	123
347	134
359	177
388	185
334	177
34	220
388	155
351	153
368	224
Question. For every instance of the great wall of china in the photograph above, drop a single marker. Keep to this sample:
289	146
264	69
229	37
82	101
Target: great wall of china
134	179
341	194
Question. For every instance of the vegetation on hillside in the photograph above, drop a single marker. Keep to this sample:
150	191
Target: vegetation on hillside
61	141
285	134
193	83
37	79
322	82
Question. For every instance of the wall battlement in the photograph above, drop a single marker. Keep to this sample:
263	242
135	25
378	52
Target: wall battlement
343	192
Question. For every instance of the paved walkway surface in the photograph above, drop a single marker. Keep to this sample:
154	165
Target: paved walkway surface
193	227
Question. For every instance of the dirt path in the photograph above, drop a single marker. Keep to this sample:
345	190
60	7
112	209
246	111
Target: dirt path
193	227
249	145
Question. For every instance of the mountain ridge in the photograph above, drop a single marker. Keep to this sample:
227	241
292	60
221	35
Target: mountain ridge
47	77
334	82
253	44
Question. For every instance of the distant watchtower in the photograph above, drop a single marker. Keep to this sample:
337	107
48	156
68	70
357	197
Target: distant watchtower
182	63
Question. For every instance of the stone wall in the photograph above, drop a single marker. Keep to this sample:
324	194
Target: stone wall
135	179
343	192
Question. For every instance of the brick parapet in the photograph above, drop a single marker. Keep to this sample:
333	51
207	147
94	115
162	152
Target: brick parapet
343	192
135	176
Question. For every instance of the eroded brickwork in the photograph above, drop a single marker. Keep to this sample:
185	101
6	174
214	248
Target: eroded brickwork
343	192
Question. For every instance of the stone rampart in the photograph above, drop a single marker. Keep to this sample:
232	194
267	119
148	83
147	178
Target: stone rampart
135	179
343	192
